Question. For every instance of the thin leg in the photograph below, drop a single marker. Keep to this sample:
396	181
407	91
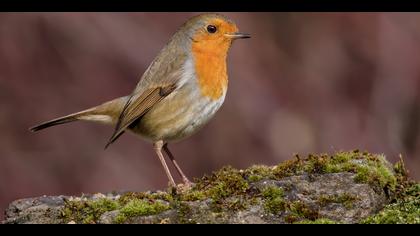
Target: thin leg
158	148
180	172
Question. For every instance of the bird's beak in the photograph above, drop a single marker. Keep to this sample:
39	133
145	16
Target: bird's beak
238	35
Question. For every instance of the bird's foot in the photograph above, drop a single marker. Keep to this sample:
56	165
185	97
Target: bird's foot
186	186
181	188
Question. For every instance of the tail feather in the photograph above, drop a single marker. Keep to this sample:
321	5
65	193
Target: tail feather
106	113
58	121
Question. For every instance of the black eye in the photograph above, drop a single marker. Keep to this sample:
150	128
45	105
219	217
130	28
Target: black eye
211	29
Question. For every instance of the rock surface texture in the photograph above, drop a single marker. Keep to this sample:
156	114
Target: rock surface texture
347	187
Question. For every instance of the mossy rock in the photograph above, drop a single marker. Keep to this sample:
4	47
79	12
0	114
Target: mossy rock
347	187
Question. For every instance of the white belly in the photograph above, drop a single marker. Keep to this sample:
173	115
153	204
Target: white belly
179	115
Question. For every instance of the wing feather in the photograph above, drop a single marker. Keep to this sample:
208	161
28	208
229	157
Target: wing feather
137	106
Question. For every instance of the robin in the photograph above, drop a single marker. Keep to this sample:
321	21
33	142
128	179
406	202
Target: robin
179	92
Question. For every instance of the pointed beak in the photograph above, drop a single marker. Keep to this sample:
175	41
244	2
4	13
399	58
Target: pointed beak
238	36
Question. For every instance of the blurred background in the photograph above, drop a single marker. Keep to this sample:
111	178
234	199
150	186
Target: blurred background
305	82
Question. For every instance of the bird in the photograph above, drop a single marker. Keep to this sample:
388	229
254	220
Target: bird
180	91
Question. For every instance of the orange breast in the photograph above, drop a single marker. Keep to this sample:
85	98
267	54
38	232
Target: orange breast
210	68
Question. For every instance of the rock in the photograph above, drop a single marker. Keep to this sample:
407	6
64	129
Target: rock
108	217
348	187
41	210
334	196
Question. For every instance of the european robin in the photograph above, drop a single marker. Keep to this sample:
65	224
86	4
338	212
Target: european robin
179	92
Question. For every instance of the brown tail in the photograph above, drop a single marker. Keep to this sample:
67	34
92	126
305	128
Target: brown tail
59	121
106	113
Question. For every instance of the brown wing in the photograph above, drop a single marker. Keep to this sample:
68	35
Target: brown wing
137	106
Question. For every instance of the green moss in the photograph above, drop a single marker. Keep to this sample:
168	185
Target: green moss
346	199
87	211
369	168
273	199
229	188
254	178
301	211
222	184
258	172
129	196
140	207
272	192
406	210
412	192
120	219
288	168
342	162
129	204
398	213
193	195
322	163
399	168
376	174
274	203
317	221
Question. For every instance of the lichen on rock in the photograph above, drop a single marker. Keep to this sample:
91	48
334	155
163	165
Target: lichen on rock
347	187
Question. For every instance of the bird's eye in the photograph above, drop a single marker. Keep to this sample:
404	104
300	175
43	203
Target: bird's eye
211	29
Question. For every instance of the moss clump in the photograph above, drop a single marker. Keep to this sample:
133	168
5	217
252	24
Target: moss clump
346	199
223	183
140	207
220	187
129	196
258	172
193	195
342	162
273	199
406	209
300	211
87	212
376	173
317	221
228	188
369	168
318	164
398	213
275	203
288	168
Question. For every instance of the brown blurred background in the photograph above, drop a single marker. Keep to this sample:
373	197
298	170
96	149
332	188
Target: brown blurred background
305	82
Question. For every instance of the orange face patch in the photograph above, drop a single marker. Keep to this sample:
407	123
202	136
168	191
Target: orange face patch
210	51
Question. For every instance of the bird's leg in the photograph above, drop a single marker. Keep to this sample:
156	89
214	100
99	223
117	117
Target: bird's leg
180	172
158	148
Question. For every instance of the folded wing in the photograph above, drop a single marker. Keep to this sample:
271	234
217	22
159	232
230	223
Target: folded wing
137	106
